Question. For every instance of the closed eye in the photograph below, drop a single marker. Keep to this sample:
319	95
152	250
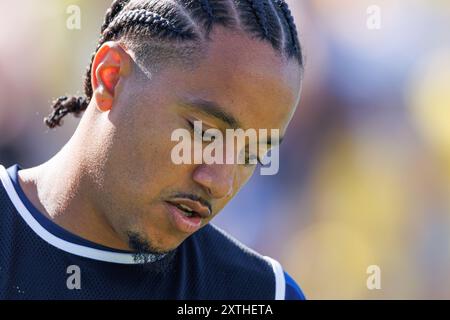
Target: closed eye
251	157
248	157
202	133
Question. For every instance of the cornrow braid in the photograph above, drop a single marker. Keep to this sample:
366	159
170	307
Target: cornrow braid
153	20
112	12
294	47
276	31
259	21
260	14
205	5
185	21
210	12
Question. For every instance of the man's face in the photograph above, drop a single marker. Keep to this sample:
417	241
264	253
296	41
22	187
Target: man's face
142	187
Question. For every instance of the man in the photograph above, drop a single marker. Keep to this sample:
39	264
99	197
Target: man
110	216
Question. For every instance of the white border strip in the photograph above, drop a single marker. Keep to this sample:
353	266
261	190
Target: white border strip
79	250
280	281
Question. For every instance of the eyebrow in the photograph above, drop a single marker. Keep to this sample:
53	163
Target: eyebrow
212	109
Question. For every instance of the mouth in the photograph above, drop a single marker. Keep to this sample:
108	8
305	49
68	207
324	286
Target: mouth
191	208
187	215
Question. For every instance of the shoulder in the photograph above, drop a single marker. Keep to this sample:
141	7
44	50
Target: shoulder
293	291
224	254
229	251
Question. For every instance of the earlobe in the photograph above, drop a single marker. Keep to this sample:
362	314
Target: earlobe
110	64
103	99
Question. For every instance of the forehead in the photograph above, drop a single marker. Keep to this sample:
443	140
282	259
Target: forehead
248	78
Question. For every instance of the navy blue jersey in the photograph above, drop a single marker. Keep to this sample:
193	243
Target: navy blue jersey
41	260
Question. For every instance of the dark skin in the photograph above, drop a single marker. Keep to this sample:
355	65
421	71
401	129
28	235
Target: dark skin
115	173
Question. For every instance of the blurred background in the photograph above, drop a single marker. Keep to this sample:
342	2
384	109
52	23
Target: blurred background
365	168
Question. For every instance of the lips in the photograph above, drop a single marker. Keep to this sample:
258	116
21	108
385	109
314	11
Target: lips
191	207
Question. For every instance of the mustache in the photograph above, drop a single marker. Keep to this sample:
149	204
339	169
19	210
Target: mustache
194	197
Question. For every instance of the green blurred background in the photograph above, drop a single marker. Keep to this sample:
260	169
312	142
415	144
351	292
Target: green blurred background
365	169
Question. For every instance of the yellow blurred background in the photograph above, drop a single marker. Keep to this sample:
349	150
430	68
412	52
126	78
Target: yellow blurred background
365	169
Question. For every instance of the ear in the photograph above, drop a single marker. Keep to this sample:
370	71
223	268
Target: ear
110	65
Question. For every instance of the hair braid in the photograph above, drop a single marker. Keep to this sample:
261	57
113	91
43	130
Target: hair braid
207	13
295	49
152	20
64	105
259	11
207	8
112	12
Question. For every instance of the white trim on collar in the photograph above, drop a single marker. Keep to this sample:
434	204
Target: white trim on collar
280	281
73	248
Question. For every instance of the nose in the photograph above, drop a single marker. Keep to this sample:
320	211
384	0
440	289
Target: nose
217	179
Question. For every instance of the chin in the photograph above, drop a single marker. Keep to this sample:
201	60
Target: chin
171	244
147	242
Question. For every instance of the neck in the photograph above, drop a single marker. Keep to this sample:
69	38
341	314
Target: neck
62	189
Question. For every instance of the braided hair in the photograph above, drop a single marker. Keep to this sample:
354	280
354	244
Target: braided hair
186	22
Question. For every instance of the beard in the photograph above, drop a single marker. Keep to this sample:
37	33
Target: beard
143	249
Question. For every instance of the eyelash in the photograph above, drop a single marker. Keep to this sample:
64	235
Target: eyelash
248	164
191	125
247	158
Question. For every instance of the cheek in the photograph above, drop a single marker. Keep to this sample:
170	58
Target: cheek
245	175
146	149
